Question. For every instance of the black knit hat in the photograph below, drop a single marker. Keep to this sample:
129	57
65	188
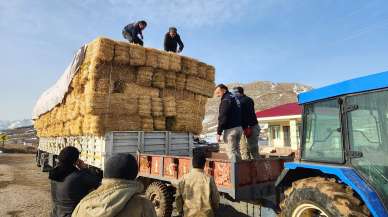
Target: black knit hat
68	156
121	166
199	160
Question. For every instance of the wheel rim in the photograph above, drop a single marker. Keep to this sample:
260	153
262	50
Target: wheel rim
308	210
155	199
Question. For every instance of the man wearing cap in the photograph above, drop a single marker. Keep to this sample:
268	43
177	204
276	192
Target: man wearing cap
119	194
171	41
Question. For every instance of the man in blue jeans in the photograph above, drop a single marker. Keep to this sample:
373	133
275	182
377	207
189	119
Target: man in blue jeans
133	32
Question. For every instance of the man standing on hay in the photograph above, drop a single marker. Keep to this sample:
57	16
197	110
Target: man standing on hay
249	142
171	41
132	31
229	121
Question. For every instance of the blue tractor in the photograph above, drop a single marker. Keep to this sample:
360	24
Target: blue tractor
342	169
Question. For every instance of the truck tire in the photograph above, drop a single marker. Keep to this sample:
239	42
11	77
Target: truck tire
161	197
318	196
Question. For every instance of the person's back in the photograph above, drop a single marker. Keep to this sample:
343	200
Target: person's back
119	193
69	184
197	194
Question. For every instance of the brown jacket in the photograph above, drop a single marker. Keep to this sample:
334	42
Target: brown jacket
115	198
197	195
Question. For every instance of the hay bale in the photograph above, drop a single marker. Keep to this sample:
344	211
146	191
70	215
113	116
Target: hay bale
144	76
100	50
152	57
175	62
134	90
147	123
121	53
158	80
157	107
163	60
123	123
169	106
200	86
125	73
144	106
137	55
210	73
180	81
189	66
160	123
170	79
201	70
121	104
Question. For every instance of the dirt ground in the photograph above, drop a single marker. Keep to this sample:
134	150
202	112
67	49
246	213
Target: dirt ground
24	190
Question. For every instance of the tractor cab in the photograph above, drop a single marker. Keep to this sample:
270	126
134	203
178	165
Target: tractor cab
343	153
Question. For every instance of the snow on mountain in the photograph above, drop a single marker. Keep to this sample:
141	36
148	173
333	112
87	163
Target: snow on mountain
5	124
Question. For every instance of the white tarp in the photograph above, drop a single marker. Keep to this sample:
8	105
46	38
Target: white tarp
55	94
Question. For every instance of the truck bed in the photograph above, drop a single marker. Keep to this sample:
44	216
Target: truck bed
241	180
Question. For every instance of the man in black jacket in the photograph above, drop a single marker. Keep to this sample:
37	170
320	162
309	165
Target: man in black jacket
132	31
171	41
70	182
249	142
229	121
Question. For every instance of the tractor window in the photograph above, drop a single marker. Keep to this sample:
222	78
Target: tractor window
368	135
322	132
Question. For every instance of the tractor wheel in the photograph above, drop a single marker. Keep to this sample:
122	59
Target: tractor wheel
321	197
159	194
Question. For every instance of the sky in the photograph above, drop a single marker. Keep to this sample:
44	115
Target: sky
312	42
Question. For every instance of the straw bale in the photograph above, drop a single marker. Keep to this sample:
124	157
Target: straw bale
121	53
144	106
147	123
99	70
125	73
123	123
144	76
160	123
201	70
158	80
200	86
175	62
157	107
100	49
163	60
134	90
180	81
121	104
210	73
169	106
189	66
152	57
137	55
170	79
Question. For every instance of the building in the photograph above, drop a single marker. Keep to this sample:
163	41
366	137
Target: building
284	125
21	135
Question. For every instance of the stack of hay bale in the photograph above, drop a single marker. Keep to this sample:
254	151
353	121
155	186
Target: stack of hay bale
123	87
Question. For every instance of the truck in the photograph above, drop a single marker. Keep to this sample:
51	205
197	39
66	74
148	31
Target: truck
340	168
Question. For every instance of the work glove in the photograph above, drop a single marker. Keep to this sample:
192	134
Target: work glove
248	132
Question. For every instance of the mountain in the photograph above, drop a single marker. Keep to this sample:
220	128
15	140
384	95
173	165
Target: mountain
4	124
265	94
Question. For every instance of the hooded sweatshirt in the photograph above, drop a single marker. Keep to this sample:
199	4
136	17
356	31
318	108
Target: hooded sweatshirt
115	198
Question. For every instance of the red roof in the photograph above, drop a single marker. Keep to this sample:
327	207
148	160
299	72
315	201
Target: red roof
282	110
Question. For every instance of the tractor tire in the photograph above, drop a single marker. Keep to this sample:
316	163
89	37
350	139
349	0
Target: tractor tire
318	196
162	198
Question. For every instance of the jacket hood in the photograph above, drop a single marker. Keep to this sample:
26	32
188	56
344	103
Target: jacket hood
109	199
